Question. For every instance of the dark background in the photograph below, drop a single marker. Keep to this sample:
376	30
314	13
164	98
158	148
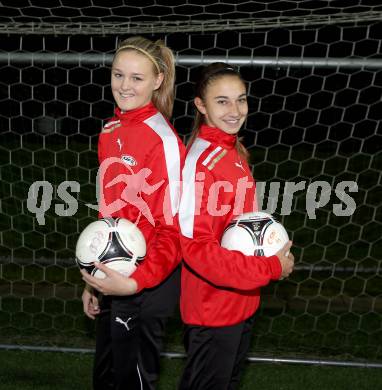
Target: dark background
305	124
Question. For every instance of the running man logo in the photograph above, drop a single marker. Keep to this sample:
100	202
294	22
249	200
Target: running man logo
136	184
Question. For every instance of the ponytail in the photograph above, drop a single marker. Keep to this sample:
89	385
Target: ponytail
198	121
241	149
163	97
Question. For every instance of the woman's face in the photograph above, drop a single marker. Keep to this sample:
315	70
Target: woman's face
133	80
225	104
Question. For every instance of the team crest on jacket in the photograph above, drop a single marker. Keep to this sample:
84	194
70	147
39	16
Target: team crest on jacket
129	160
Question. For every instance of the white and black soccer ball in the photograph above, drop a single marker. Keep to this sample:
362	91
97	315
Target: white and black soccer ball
117	243
256	233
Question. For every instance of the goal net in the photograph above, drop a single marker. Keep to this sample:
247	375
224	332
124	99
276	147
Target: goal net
313	71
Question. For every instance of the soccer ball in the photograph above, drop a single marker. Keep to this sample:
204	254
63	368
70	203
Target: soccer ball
256	233
117	243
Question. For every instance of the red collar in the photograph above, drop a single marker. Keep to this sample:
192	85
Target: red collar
217	136
138	114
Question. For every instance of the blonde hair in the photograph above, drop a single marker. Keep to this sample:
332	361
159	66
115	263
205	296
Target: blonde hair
163	61
209	74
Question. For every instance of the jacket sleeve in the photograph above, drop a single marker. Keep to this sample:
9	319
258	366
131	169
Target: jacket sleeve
203	253
162	197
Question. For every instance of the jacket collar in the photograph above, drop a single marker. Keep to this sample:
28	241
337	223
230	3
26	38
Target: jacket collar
138	114
217	136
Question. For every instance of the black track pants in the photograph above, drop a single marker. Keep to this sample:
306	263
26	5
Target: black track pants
215	356
129	338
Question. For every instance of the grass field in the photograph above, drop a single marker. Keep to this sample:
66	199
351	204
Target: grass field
25	370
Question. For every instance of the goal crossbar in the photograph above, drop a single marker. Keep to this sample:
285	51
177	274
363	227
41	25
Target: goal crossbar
34	58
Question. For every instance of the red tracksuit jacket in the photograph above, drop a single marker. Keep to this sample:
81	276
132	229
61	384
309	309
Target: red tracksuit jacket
219	287
140	159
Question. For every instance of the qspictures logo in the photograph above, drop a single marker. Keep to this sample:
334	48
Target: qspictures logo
136	186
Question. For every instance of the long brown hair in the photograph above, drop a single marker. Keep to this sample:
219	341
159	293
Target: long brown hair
163	61
209	74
